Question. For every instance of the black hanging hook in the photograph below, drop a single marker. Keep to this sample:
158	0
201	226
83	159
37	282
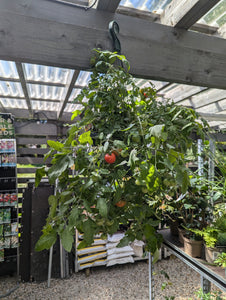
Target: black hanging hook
113	29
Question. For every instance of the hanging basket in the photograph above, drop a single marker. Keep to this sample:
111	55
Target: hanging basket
193	248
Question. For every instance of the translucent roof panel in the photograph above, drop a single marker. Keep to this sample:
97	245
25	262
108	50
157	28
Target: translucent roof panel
45	105
13	89
13	103
156	6
8	69
83	78
216	16
46	92
74	94
46	73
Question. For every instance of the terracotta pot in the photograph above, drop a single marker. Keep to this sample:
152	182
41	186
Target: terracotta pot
211	254
193	248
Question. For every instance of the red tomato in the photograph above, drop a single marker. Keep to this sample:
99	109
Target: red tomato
120	203
110	158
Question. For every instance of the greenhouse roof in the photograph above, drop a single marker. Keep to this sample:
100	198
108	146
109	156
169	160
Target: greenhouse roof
34	84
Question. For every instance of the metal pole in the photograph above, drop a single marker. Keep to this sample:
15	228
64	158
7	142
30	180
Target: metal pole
151	279
200	159
51	249
205	285
211	164
50	265
61	261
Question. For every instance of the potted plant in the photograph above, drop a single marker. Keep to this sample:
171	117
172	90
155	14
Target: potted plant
221	261
193	211
214	236
122	145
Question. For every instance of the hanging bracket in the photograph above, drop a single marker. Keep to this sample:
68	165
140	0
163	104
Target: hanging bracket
113	30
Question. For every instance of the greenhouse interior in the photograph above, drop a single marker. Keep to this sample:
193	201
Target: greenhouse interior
112	149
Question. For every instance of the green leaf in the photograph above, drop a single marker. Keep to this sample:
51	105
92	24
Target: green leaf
62	163
55	145
67	239
46	241
187	206
148	231
185	182
129	127
176	115
106	144
75	114
38	175
102	207
123	242
85	138
73	217
133	158
88	231
53	202
157	130
82	245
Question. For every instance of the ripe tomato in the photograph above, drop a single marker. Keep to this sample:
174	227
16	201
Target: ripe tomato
110	158
120	203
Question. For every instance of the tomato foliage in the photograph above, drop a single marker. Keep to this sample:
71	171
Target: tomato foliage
150	138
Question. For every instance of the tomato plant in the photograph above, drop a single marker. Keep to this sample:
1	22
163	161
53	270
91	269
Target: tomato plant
152	139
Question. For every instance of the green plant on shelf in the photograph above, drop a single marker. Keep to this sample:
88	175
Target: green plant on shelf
122	146
221	260
214	234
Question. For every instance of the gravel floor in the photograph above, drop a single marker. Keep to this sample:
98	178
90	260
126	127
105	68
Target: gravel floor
119	282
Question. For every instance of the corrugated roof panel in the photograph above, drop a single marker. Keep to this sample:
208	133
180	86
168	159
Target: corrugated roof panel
74	94
46	92
44	105
156	6
83	78
8	69
8	88
70	107
14	103
46	73
216	16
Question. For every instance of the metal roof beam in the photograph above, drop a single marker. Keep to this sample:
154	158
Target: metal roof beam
185	13
70	87
21	73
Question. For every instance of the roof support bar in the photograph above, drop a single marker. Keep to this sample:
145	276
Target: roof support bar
21	73
70	87
108	5
184	13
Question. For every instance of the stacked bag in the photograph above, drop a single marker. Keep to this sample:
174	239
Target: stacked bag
105	252
92	256
122	255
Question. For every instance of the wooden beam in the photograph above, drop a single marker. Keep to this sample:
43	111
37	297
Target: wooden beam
137	13
70	87
155	51
32	128
184	13
107	5
21	72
